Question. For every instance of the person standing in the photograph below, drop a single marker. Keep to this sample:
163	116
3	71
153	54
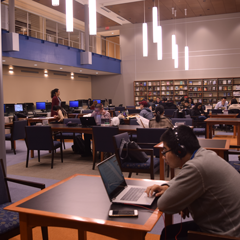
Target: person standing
55	100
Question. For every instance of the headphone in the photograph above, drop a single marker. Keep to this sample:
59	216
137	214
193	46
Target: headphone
181	150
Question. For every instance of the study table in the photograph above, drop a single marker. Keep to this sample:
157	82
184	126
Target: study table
220	146
228	121
81	202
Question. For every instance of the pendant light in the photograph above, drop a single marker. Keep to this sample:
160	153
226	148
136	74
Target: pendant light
154	19
69	15
92	17
159	31
176	46
186	47
145	35
55	3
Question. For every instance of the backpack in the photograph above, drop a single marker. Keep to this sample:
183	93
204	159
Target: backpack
132	156
79	145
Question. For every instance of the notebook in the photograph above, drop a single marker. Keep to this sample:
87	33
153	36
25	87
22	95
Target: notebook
117	189
87	121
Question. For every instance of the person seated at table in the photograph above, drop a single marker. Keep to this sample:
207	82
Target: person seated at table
198	112
151	104
223	104
160	121
99	113
234	105
61	113
146	112
190	102
93	105
158	101
205	188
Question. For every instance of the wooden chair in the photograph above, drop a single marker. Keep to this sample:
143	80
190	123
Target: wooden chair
207	236
9	221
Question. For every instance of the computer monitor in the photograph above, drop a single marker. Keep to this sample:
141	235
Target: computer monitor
48	106
109	101
103	102
40	105
98	100
63	104
73	104
28	106
4	108
18	107
9	108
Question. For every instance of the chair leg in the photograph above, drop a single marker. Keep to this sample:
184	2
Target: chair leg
63	144
44	233
38	155
94	160
152	175
61	150
52	158
130	174
13	147
27	158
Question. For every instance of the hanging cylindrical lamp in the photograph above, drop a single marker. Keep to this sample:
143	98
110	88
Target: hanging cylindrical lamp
159	44
69	15
186	47
176	56
92	17
154	18
145	35
55	3
173	45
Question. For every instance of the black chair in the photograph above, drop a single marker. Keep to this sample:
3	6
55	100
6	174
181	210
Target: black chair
9	221
120	109
133	121
169	112
132	111
40	138
186	121
215	111
208	236
64	135
130	107
87	111
17	132
234	111
151	166
103	140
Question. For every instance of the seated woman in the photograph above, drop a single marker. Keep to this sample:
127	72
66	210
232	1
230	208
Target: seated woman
234	105
198	112
93	105
61	113
160	121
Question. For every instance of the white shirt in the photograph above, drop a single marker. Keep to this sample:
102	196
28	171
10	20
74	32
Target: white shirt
219	105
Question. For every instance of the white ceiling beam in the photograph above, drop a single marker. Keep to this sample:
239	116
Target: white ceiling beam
115	2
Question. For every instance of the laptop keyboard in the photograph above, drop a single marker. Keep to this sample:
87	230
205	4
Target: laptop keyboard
133	194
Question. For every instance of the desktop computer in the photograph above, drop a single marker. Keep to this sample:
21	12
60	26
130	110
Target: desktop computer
9	108
18	107
41	106
74	104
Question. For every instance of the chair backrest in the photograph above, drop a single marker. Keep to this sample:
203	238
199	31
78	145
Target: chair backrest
73	120
18	131
111	108
130	107
214	110
169	112
187	121
103	138
233	111
117	113
39	138
105	108
133	121
120	109
118	138
87	111
4	192
131	111
150	135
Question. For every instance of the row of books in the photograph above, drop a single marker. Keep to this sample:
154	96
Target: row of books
153	88
195	89
153	93
220	88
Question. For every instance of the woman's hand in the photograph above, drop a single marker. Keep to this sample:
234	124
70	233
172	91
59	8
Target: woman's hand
158	190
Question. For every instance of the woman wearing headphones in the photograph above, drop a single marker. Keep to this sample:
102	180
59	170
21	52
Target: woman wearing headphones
160	121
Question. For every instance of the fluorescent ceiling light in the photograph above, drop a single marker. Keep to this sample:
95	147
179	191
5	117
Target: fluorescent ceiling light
145	39
92	17
186	58
55	3
159	43
176	56
69	15
173	45
154	16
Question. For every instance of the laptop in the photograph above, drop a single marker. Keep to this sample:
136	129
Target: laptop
88	121
117	189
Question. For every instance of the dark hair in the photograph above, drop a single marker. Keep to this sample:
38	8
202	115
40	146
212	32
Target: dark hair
234	101
197	104
190	99
56	107
186	101
159	111
186	137
164	99
100	106
223	98
53	92
150	100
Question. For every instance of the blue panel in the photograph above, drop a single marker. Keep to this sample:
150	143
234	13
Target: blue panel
43	51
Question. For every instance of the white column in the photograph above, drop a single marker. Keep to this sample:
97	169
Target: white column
11	14
2	122
27	23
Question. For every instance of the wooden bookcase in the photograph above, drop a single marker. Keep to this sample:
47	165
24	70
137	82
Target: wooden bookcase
207	91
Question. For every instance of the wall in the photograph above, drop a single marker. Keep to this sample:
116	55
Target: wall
113	50
21	87
214	45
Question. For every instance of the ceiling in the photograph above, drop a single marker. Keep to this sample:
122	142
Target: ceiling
132	11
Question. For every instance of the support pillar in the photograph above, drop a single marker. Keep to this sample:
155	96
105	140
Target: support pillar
11	15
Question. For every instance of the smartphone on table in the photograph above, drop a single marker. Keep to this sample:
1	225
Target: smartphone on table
123	213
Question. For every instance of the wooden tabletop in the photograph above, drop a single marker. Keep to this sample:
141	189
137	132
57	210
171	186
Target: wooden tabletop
221	115
230	121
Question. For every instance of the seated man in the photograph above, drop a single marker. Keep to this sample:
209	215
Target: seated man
222	104
99	113
145	111
205	187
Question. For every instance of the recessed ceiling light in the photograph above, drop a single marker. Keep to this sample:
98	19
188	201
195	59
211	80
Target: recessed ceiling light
112	33
35	64
96	72
80	70
60	68
3	60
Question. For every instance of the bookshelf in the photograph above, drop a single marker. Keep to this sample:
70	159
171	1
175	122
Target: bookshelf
206	91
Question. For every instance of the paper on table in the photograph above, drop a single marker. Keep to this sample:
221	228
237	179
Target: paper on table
142	121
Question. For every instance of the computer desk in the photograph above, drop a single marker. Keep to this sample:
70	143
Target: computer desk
220	146
81	202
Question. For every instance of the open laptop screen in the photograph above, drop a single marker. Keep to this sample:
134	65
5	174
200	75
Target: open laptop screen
112	176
